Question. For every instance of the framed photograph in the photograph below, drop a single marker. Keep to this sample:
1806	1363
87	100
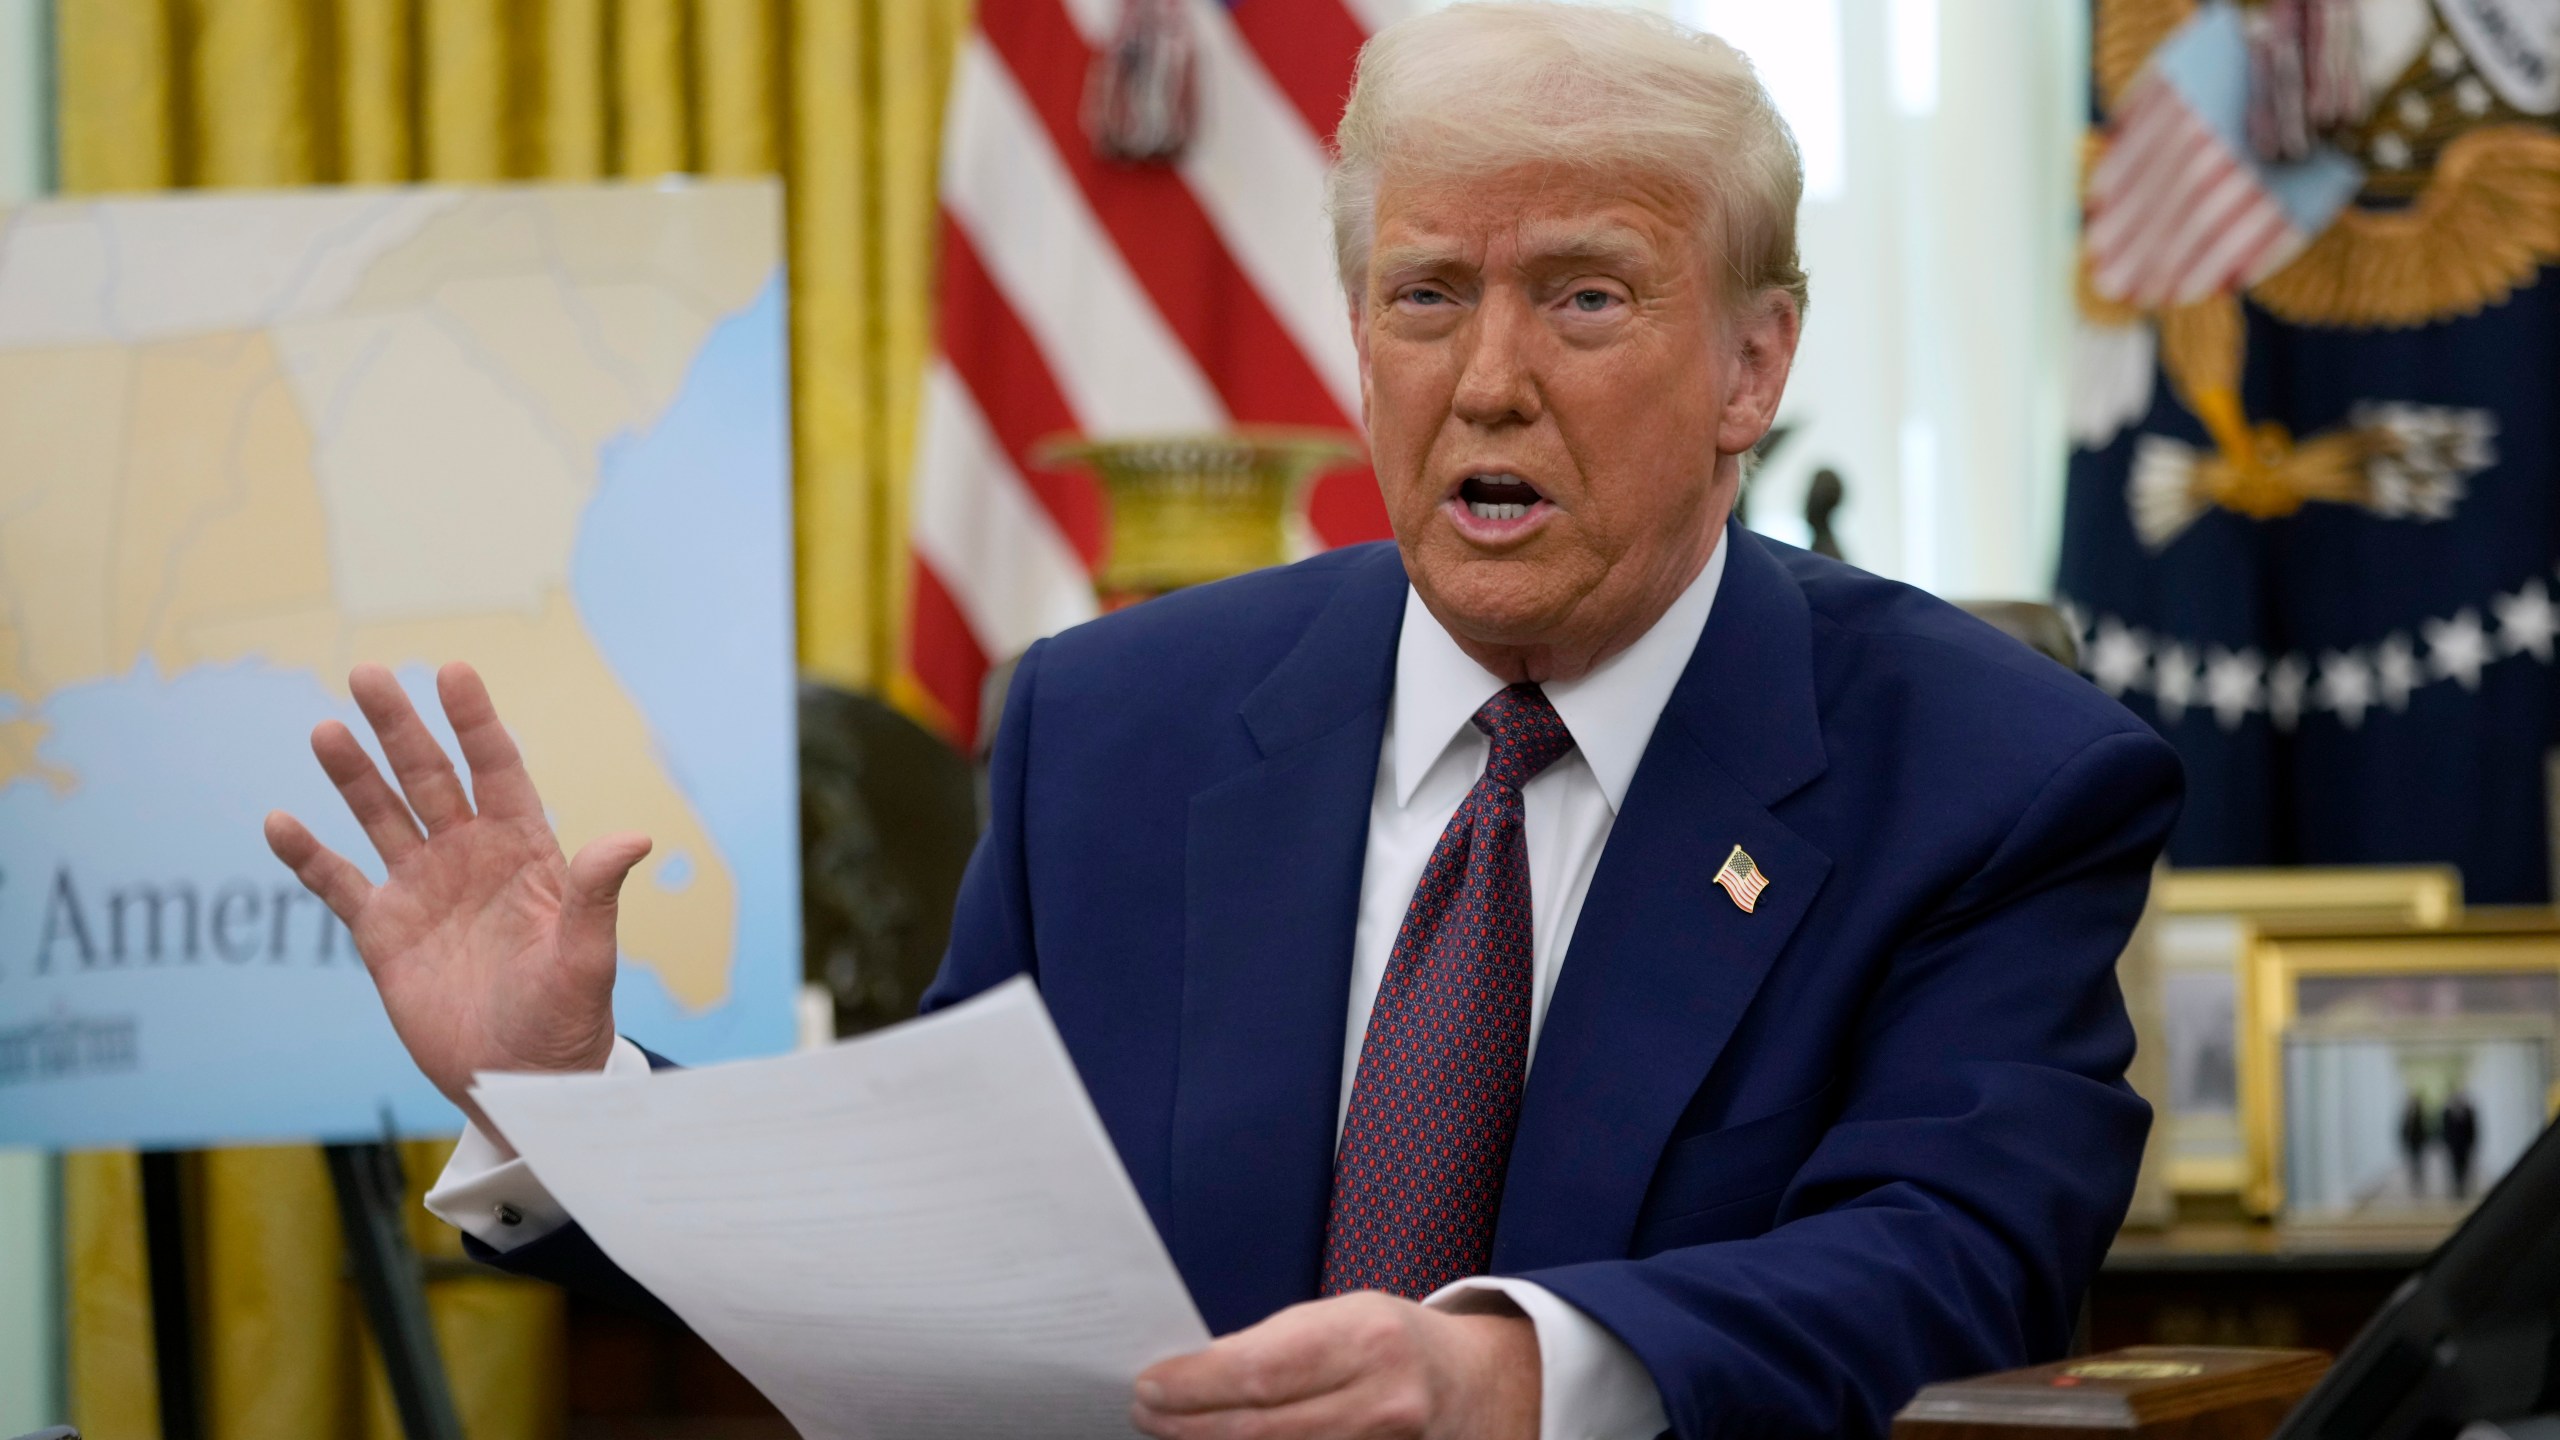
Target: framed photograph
2423	1006
2205	922
2399	1121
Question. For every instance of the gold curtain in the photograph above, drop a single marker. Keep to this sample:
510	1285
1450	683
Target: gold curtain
285	1349
843	99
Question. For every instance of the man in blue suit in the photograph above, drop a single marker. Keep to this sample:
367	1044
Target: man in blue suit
1580	971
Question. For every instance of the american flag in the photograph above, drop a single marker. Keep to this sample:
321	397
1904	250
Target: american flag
1090	295
2180	206
1742	879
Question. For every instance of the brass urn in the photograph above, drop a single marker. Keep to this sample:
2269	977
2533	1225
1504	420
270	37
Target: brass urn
1187	509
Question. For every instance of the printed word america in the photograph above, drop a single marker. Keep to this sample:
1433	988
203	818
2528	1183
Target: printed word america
178	922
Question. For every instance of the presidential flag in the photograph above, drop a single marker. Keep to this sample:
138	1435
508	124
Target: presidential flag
2313	514
1133	242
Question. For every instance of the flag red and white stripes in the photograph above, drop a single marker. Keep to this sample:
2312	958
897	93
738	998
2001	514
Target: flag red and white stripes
1741	878
2182	206
1080	294
2176	214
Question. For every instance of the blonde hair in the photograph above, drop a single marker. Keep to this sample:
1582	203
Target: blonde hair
1479	88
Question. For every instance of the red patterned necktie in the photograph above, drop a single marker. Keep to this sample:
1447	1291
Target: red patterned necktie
1418	1181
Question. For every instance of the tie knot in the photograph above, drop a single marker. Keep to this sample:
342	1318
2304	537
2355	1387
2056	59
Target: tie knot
1527	734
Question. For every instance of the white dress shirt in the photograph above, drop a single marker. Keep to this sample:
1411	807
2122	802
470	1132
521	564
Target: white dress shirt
1592	1387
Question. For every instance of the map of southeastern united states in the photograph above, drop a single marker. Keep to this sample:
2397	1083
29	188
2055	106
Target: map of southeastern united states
178	494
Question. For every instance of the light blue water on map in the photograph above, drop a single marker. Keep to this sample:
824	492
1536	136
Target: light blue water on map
271	1029
683	572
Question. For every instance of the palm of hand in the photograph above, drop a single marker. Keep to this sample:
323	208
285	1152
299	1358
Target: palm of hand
464	943
491	952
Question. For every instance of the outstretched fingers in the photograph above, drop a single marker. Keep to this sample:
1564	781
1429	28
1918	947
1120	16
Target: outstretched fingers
322	871
386	821
426	772
499	782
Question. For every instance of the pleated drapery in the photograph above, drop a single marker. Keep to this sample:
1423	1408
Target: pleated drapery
843	99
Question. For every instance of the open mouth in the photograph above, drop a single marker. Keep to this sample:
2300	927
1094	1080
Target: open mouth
1498	497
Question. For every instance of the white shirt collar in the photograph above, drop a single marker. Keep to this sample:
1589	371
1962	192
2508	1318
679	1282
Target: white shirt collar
1611	711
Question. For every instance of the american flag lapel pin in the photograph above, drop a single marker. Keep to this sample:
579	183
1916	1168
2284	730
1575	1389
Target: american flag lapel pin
1742	879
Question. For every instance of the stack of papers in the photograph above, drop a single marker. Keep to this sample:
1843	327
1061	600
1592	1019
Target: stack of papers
924	1232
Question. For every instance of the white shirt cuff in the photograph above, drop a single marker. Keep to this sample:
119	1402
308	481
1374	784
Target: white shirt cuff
1590	1385
494	1197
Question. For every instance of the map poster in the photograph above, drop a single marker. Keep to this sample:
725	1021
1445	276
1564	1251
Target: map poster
250	440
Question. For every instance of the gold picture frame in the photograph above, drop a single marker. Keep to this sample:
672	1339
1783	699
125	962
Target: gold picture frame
2477	965
2203	923
2341	897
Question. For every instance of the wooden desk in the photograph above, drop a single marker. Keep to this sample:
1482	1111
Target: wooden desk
2237	1283
2149	1392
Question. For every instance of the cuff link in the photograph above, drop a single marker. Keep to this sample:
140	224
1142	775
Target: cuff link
509	1215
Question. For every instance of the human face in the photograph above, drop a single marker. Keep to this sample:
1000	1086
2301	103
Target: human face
1556	392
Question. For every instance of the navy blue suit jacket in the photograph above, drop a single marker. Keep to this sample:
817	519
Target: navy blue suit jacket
1801	1160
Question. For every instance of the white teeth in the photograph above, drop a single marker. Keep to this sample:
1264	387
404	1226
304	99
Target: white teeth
1486	511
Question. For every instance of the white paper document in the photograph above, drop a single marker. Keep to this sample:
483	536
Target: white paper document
924	1232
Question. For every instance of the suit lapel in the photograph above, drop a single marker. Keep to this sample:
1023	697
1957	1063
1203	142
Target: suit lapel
1663	963
1271	895
1661	968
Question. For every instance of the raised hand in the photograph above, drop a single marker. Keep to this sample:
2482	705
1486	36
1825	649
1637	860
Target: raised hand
491	951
